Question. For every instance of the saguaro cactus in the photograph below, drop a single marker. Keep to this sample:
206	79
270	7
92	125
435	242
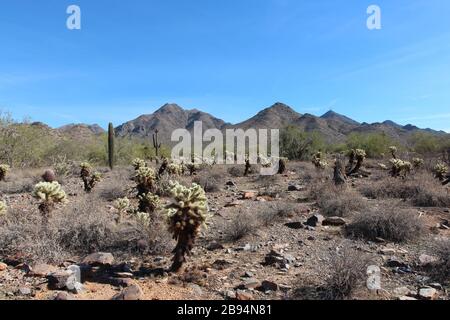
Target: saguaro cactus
156	143
187	213
111	145
49	193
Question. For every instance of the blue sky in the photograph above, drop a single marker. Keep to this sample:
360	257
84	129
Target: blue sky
227	57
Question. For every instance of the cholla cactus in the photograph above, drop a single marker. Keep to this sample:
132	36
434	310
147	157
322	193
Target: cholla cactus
90	179
138	163
3	208
143	218
163	167
49	193
121	205
417	163
358	155
187	213
192	168
174	169
440	170
145	180
393	150
400	167
148	202
4	169
319	161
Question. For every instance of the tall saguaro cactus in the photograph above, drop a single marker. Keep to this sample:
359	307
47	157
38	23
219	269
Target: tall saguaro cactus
156	143
111	146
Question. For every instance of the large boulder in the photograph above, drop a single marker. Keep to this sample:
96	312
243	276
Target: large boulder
133	292
99	259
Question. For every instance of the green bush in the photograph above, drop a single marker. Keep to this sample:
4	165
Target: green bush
375	144
299	145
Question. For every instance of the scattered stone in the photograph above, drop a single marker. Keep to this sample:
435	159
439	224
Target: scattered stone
248	247
123	275
248	195
243	296
406	298
214	246
251	283
315	220
281	261
196	288
133	292
248	274
269	286
57	280
230	294
231	183
221	264
373	278
99	259
334	221
63	296
3	266
310	238
403	291
234	203
428	293
24	291
387	251
294	225
121	282
426	260
396	263
296	187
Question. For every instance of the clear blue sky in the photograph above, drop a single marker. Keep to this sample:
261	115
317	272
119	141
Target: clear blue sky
227	57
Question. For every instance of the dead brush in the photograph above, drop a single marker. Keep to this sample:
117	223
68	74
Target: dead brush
239	227
387	222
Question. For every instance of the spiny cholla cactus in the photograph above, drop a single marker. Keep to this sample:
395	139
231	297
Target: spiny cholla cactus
417	163
138	163
49	193
192	167
187	213
400	167
319	161
393	150
174	169
358	155
4	169
163	167
3	208
90	179
148	202
143	218
121	205
440	170
145	180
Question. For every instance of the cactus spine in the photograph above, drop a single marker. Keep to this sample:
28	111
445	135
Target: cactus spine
111	146
49	193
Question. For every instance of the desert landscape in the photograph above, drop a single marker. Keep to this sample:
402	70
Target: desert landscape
357	211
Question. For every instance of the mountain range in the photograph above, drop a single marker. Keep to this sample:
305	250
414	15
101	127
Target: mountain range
333	126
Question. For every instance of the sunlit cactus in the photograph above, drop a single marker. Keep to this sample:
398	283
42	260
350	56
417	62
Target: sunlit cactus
174	169
90	179
417	163
148	202
143	218
393	150
319	161
440	171
49	194
3	208
122	205
145	179
186	215
400	167
4	169
138	163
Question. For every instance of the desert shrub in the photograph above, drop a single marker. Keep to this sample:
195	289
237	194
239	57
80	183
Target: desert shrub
210	181
441	270
236	171
389	223
426	143
421	189
275	212
337	201
239	227
348	271
299	145
375	144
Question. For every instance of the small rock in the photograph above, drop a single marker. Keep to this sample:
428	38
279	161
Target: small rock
403	291
133	292
230	294
248	274
373	278
196	288
426	260
248	195
334	221
221	264
296	187
428	293
3	266
123	275
396	263
243	296
235	203
63	296
269	286
57	280
231	183
294	225
99	259
24	291
42	270
251	283
214	246
406	298
121	282
315	220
